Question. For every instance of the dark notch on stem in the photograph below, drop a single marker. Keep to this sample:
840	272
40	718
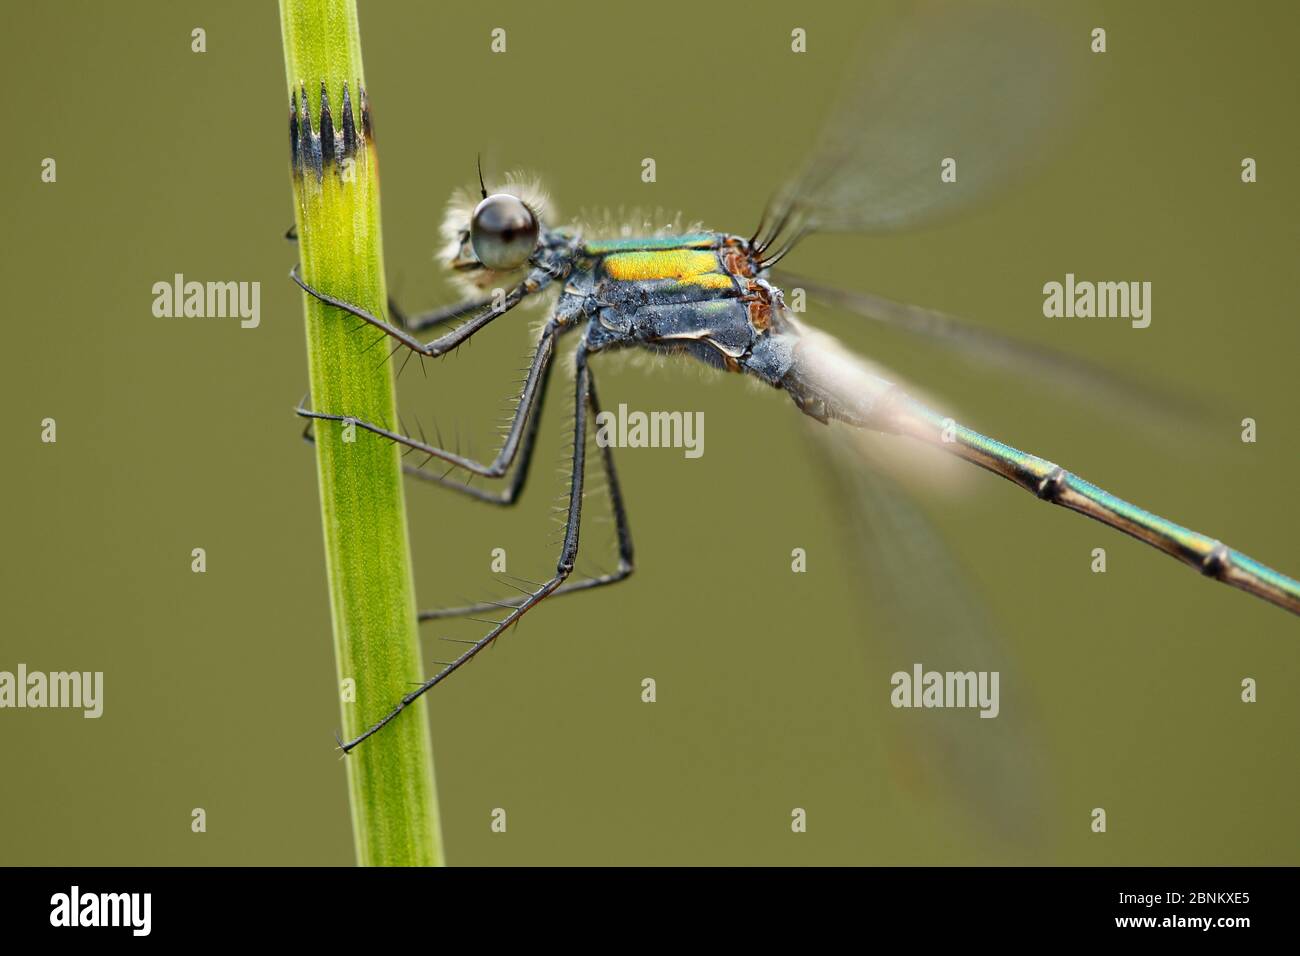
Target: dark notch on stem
326	125
349	127
312	150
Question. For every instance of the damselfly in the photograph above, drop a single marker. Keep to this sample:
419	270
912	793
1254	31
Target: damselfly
971	86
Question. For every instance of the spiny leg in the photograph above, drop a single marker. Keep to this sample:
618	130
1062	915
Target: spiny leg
504	498
537	374
510	494
1054	484
537	280
563	567
524	459
423	320
625	554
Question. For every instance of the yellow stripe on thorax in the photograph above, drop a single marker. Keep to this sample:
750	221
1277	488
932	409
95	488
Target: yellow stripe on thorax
710	280
682	264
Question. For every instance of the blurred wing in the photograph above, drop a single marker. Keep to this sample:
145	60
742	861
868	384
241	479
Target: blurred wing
974	83
1012	356
923	611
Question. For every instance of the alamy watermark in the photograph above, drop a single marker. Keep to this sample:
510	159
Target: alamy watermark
636	429
1083	299
76	908
74	690
946	689
209	300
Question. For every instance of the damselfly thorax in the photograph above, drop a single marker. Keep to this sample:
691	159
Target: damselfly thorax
700	294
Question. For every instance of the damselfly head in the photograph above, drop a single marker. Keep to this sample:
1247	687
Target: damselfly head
489	236
503	232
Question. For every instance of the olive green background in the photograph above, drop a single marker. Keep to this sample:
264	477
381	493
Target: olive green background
175	434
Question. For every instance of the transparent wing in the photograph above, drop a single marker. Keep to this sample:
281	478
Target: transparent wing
976	83
1010	356
920	608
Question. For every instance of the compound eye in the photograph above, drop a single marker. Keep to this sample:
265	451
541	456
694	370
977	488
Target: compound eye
503	232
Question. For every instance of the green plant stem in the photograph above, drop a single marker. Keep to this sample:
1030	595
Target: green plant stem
363	511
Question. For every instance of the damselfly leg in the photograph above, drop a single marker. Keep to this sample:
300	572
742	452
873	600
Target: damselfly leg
623	531
424	320
500	465
435	317
517	451
537	280
527	416
563	568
